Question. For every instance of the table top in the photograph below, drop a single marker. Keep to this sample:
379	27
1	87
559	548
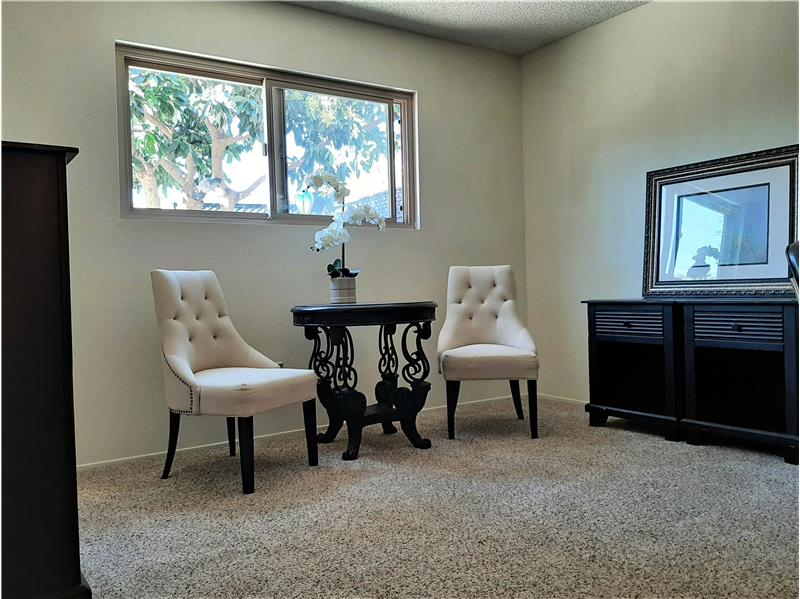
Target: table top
364	314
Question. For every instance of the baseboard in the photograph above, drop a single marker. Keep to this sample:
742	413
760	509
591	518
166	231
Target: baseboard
562	398
191	448
320	427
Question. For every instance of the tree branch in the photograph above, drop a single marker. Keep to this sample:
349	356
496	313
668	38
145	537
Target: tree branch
251	188
145	164
158	123
173	170
210	126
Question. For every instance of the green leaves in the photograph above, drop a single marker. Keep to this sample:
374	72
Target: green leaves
168	112
150	143
174	115
340	135
335	270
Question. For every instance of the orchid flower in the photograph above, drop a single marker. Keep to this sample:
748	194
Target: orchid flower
336	233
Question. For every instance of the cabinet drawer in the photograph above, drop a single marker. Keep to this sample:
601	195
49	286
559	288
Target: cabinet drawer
763	327
629	323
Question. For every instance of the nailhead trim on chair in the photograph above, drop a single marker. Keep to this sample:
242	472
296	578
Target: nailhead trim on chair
191	392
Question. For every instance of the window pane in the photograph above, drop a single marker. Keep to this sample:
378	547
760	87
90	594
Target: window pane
343	136
197	143
398	162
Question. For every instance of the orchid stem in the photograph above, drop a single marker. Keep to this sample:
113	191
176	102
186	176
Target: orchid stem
343	243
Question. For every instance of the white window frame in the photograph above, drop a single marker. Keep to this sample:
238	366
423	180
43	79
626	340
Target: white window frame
273	81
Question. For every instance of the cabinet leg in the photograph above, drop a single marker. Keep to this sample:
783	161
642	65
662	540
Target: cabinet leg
598	418
673	434
694	438
790	457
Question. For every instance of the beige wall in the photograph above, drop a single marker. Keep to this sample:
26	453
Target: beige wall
59	88
662	85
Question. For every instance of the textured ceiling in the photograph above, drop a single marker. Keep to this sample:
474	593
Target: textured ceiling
514	27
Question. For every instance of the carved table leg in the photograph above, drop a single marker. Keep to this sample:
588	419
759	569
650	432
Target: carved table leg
322	364
409	402
350	402
387	366
352	405
335	417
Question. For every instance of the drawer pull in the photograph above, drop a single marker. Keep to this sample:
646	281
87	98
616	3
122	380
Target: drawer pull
627	324
736	326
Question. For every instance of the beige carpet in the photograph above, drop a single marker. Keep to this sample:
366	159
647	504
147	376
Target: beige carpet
582	512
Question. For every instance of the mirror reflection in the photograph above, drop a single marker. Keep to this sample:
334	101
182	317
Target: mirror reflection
725	228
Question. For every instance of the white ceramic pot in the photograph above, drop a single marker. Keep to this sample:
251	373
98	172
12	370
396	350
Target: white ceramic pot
343	290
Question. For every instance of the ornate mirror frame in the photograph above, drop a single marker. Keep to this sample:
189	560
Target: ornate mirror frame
713	178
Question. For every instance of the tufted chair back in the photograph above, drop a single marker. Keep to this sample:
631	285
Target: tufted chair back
481	308
196	331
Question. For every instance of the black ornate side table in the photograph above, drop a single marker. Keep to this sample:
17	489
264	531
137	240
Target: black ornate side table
332	360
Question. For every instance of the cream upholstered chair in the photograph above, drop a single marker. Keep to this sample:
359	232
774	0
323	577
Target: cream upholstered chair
210	370
483	338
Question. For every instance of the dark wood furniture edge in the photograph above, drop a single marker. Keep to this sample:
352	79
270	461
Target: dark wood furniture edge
79	591
739	432
373	314
359	307
631	414
787	299
69	151
63	155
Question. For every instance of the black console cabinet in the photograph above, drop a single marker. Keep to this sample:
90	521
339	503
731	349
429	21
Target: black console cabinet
632	351
701	368
40	503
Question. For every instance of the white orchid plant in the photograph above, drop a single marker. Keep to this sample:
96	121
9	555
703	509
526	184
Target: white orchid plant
336	233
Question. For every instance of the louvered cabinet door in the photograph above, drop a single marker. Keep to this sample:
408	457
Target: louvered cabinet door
741	370
632	362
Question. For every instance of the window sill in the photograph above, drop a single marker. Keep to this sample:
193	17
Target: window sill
200	216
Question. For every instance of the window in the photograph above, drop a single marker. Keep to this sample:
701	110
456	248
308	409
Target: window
209	139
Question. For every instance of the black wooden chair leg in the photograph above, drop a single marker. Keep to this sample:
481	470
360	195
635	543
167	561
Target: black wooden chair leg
231	435
174	426
517	398
452	402
246	454
310	423
533	409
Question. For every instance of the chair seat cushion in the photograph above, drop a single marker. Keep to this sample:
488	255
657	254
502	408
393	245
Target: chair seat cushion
245	392
488	361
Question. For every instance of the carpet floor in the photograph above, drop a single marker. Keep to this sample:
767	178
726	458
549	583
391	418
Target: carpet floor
581	512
